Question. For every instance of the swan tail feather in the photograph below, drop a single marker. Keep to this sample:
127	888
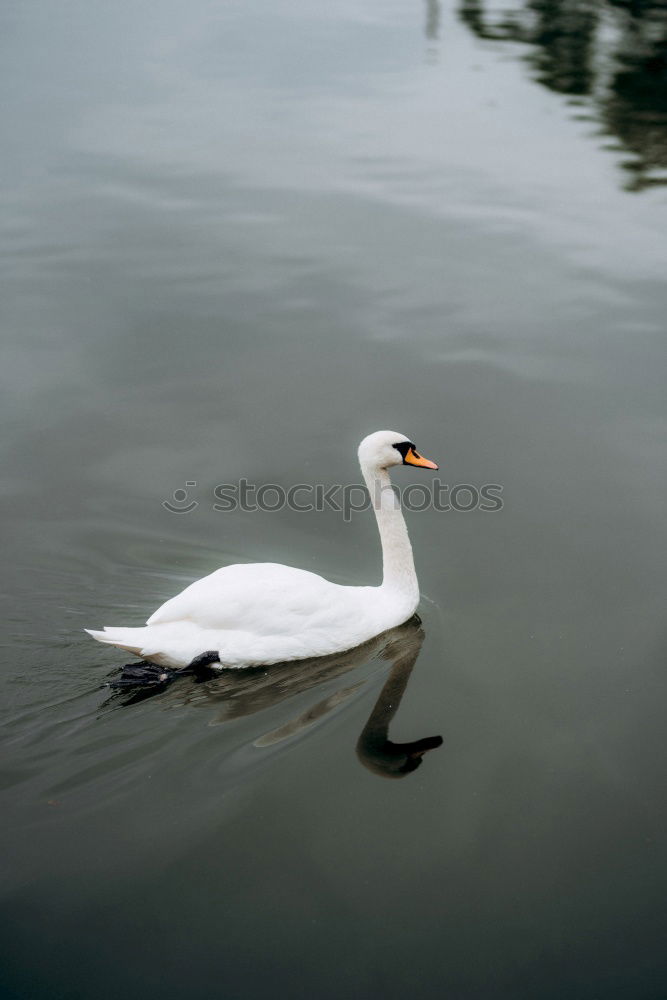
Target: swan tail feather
162	645
123	638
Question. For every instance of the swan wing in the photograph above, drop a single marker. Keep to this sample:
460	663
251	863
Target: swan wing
262	598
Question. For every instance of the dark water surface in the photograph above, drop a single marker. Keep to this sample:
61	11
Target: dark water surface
237	238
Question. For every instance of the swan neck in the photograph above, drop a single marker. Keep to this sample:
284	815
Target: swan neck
398	568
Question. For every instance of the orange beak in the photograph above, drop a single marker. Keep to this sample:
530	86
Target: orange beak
414	458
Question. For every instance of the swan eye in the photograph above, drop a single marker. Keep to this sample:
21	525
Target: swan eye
403	447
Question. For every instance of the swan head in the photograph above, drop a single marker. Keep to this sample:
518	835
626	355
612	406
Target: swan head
383	449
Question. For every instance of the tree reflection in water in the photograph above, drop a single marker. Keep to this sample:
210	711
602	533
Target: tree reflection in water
612	52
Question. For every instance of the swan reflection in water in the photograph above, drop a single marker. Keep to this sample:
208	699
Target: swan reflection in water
374	748
243	693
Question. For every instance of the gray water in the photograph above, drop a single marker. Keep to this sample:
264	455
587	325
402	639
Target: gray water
237	238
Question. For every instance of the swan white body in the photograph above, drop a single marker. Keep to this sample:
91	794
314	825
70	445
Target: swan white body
263	613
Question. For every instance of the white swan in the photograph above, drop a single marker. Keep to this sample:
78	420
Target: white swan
263	613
